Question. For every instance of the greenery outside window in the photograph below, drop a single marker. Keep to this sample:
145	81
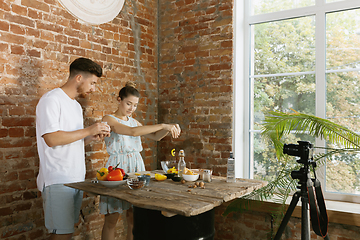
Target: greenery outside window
302	55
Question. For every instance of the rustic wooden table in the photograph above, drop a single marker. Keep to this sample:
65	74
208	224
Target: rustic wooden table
174	197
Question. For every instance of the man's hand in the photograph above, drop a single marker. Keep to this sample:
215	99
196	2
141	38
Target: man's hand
102	129
98	131
59	138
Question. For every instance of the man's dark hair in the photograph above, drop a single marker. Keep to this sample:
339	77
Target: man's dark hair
85	65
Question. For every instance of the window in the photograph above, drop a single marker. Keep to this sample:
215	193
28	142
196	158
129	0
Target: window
304	55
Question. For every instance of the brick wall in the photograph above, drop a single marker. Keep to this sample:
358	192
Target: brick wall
195	79
193	86
253	225
38	40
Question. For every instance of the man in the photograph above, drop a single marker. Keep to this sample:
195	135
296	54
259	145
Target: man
61	137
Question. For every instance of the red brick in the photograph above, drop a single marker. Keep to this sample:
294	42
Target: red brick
8	232
106	50
220	52
51	2
50	27
16	110
36	234
36	4
28	153
85	44
32	32
74	51
225	7
47	35
26	174
5	6
74	41
17	49
20	20
75	33
4	47
5	211
226	44
18	121
8	177
33	53
17	29
4	26
189	48
34	14
110	27
14	143
3	132
61	38
16	132
97	32
40	44
20	10
189	2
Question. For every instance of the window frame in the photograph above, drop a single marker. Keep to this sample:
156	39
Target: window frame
243	82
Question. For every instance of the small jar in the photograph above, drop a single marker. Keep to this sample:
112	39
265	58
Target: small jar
207	176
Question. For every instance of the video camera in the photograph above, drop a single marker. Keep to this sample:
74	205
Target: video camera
304	150
309	191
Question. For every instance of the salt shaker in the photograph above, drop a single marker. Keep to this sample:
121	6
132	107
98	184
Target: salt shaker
207	175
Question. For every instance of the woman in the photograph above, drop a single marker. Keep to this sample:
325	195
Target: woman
124	147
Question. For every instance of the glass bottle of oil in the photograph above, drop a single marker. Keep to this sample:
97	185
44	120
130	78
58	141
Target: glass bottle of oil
181	164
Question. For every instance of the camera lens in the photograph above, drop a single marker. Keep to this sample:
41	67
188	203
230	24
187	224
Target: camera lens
291	149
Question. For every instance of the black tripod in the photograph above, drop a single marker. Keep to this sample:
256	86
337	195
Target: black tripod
304	176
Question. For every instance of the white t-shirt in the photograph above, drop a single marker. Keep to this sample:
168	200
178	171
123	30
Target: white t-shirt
66	163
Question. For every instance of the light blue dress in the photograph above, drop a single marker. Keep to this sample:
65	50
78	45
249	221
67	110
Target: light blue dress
125	150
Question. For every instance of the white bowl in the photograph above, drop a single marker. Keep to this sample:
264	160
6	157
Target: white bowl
112	184
190	178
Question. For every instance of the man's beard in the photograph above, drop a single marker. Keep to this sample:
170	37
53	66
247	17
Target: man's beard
80	91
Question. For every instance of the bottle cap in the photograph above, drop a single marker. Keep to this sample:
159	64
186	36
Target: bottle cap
182	153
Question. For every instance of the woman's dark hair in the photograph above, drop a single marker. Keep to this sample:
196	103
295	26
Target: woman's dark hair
129	89
85	65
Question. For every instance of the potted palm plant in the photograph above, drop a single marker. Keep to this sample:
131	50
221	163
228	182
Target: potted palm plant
276	127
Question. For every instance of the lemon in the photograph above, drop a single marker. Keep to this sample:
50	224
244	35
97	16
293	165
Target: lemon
160	177
188	172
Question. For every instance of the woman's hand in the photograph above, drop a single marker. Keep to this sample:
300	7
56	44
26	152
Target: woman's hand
174	129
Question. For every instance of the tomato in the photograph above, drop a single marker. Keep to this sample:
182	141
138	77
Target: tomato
102	174
122	171
110	168
115	175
